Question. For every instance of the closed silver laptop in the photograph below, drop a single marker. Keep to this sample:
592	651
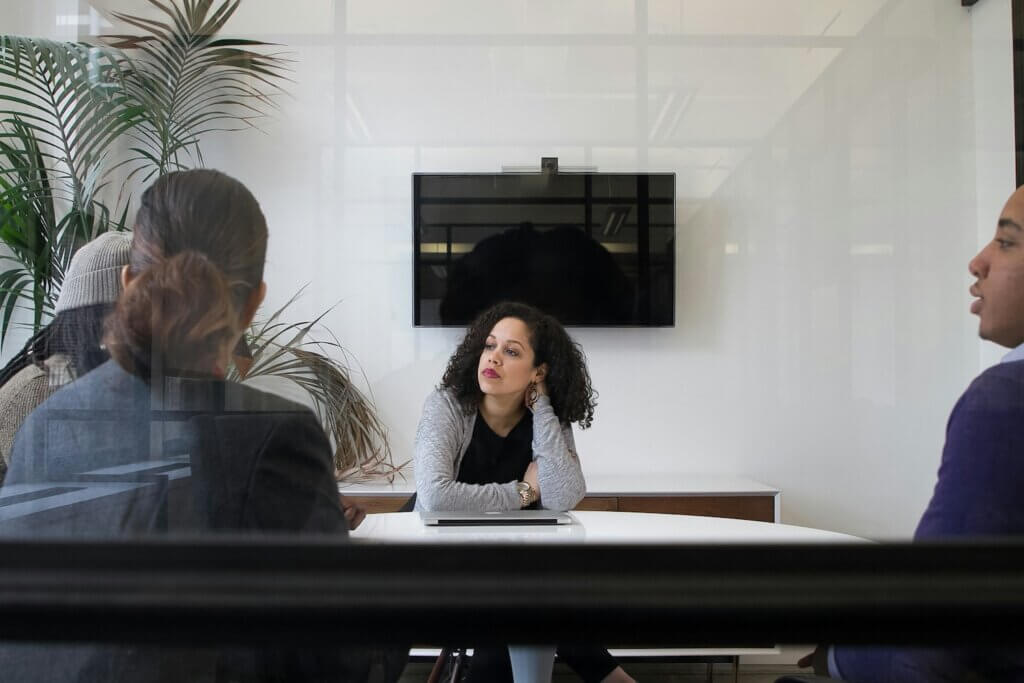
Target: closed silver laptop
496	518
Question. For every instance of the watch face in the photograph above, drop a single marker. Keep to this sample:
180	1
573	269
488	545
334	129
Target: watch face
524	492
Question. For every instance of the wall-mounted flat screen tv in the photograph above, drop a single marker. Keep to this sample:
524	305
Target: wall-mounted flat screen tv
592	249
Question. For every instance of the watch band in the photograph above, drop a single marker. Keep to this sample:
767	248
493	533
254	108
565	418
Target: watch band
527	494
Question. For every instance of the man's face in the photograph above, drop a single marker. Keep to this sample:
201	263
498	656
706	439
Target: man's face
999	269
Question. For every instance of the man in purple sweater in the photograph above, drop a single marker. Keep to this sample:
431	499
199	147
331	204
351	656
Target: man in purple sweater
981	477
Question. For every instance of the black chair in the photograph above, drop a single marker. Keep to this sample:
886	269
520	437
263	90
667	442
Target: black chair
450	666
451	663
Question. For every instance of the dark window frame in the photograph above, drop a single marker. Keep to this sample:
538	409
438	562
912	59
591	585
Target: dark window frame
276	589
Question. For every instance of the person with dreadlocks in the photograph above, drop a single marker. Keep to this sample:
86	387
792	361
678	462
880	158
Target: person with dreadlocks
70	345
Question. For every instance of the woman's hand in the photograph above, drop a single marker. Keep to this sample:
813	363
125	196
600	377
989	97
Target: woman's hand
534	392
354	513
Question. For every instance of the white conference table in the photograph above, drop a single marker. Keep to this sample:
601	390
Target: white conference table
596	527
609	527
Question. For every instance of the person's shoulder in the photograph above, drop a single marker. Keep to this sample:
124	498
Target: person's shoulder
443	401
253	421
98	393
105	384
1012	371
1000	388
442	396
243	397
19	397
991	408
25	382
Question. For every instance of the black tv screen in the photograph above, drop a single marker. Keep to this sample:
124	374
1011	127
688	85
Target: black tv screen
592	249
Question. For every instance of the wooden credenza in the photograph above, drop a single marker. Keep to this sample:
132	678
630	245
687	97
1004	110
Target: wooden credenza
679	494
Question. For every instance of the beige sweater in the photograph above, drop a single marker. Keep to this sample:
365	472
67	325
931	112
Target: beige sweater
22	393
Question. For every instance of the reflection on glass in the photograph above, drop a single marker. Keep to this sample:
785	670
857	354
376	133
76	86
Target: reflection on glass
589	249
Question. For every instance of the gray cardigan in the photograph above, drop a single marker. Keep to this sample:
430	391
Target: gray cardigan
443	436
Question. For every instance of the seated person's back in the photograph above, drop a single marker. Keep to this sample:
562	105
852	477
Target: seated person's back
257	462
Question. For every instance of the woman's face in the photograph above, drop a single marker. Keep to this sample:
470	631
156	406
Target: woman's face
506	363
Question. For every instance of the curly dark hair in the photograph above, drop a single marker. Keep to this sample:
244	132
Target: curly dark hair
568	382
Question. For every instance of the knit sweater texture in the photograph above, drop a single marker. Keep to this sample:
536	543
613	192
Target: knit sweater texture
22	393
444	434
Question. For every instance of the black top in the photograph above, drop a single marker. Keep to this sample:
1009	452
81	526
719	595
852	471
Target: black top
492	459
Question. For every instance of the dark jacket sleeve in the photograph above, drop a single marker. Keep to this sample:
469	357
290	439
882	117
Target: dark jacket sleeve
290	487
293	485
268	472
981	472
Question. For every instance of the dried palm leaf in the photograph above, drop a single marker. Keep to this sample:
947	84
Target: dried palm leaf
359	437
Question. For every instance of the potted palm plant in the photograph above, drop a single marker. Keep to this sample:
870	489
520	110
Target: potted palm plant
82	125
73	116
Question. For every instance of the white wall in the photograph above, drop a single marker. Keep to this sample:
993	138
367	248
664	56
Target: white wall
839	331
993	124
834	159
55	19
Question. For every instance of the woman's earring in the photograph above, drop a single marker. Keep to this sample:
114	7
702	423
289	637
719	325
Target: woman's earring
532	394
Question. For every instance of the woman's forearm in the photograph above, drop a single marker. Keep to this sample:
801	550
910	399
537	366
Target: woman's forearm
562	485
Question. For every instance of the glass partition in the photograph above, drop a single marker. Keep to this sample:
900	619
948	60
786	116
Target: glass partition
827	385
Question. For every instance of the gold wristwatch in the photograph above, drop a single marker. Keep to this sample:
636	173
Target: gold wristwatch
527	494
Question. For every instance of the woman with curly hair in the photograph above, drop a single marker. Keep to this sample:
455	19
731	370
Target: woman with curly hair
497	435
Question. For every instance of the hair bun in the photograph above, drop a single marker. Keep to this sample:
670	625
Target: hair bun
197	253
176	315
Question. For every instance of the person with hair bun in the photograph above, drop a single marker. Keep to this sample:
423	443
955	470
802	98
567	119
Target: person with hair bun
258	462
497	435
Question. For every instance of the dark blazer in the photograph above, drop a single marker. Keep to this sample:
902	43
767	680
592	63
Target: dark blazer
977	494
259	463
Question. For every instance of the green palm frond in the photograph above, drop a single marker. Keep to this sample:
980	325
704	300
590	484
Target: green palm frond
73	115
359	437
191	82
28	226
70	96
62	108
41	244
